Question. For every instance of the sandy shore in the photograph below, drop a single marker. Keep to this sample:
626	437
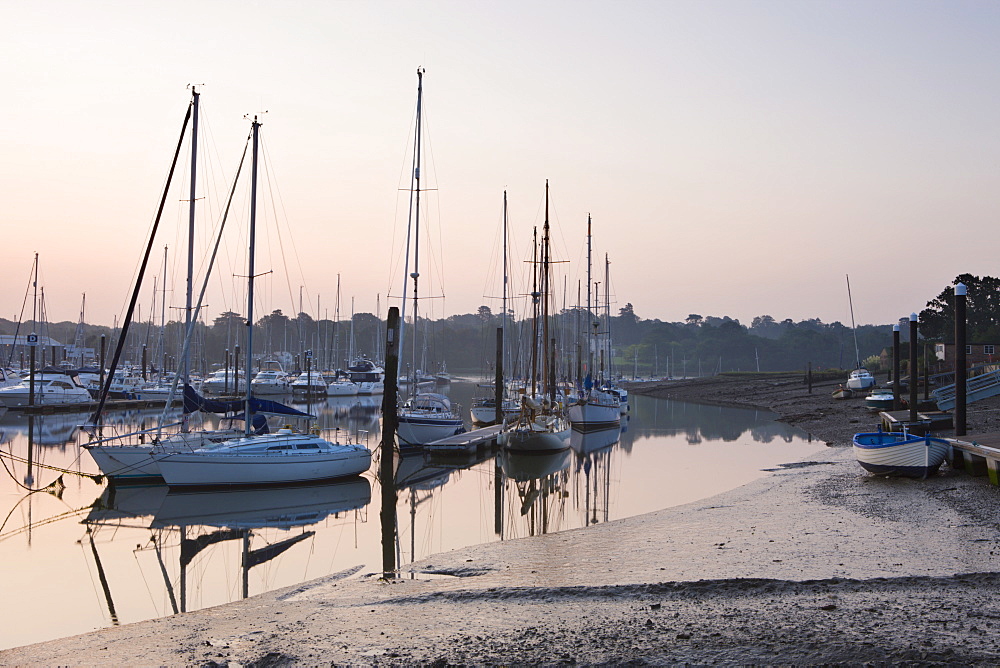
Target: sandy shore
817	563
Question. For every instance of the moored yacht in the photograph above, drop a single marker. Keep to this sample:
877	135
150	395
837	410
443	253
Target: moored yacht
270	380
50	388
368	376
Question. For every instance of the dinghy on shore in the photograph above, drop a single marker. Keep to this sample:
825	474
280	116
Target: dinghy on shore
900	454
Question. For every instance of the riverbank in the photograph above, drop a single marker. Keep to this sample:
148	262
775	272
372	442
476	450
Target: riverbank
818	562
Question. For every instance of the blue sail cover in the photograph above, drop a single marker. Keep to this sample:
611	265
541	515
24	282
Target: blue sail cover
194	402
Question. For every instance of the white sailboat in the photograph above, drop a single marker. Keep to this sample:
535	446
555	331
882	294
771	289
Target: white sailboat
484	406
594	407
541	424
427	416
860	378
282	457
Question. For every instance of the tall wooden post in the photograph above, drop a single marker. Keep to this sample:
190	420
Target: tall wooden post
927	375
498	482
104	347
236	370
913	368
387	474
961	362
896	403
498	382
29	477
31	376
225	377
809	376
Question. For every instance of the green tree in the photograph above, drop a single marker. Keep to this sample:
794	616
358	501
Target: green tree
937	321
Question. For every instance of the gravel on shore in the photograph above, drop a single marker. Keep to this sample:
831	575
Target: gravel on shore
817	563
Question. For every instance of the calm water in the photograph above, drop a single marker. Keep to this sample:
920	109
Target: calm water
90	557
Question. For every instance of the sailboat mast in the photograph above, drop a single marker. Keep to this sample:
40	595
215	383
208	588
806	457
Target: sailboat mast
185	363
503	319
247	420
534	312
416	224
548	383
413	224
160	347
590	317
607	314
857	353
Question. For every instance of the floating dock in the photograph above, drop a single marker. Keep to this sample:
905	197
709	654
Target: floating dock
978	455
466	441
926	421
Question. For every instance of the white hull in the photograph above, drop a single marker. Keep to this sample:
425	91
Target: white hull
371	388
142	461
595	416
340	389
16	396
860	379
488	414
207	468
888	454
415	430
545	434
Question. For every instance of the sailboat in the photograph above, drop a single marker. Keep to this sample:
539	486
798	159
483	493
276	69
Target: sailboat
484	408
541	424
594	408
285	456
426	416
135	456
860	378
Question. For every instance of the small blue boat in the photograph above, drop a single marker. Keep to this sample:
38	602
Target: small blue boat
900	454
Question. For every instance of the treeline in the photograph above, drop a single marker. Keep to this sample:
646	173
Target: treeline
466	343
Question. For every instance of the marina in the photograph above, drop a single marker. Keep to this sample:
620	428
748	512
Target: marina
445	501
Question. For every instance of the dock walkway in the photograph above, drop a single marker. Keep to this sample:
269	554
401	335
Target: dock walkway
978	454
466	441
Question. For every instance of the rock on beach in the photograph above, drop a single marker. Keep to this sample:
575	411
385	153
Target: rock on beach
818	562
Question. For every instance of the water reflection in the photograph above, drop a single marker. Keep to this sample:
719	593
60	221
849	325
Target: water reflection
142	552
190	522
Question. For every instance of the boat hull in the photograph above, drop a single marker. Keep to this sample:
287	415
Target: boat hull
592	416
531	439
902	455
341	390
271	468
414	430
140	462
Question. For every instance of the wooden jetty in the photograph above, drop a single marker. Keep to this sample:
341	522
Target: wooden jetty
466	441
926	421
978	455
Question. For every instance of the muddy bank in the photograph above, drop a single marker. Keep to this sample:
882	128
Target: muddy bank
817	563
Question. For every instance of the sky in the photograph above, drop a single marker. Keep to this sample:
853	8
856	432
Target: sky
737	158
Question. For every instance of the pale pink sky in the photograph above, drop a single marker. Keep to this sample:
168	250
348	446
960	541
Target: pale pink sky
739	158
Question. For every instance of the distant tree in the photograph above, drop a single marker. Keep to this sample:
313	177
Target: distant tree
694	319
227	320
484	313
937	321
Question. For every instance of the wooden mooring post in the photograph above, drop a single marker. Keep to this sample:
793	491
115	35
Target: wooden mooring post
387	474
913	368
896	403
961	369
